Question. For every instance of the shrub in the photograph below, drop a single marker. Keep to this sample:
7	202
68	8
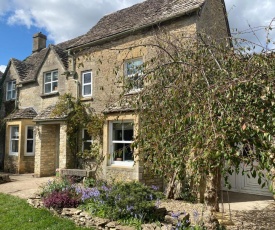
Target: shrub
123	201
61	199
56	185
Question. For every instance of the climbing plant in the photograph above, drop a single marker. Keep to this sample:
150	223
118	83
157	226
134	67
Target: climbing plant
78	116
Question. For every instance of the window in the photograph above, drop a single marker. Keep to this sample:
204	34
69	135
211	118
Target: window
29	141
86	140
86	84
51	82
11	90
121	139
14	140
133	75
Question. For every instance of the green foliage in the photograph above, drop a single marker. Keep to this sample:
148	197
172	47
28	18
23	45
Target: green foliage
78	116
16	214
208	108
130	201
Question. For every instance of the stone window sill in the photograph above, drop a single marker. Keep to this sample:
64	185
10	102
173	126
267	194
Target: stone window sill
49	94
86	99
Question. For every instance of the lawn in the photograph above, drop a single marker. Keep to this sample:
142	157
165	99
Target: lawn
15	214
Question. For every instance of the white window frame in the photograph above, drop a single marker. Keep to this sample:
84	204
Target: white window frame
50	82
137	74
14	139
29	139
87	84
13	89
85	141
112	142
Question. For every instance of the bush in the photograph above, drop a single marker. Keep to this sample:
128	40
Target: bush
123	201
61	199
56	185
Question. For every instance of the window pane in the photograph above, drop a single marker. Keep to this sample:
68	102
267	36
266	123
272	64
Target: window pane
48	88
14	146
54	86
87	78
9	85
13	94
48	77
13	85
9	95
87	146
86	135
55	76
29	146
128	131
133	67
118	150
30	133
117	132
87	90
128	154
14	132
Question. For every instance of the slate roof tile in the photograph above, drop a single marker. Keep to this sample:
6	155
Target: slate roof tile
47	115
136	16
28	113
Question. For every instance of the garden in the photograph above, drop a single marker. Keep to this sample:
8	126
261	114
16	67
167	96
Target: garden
98	204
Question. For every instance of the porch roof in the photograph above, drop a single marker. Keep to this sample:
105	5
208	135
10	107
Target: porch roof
125	104
48	115
27	113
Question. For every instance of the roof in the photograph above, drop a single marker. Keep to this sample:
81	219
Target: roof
28	68
47	115
28	113
124	104
1	74
137	16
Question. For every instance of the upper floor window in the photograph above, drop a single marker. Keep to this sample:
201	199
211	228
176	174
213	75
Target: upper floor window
11	90
87	84
133	74
86	140
51	82
29	141
14	140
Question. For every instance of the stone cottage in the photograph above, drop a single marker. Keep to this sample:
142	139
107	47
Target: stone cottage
89	67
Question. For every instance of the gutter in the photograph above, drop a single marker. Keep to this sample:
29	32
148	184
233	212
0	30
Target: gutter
111	37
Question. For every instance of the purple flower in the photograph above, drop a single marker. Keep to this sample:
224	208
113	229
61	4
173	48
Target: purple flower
157	203
154	187
175	214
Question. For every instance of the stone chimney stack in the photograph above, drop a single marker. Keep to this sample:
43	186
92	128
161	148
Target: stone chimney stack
39	42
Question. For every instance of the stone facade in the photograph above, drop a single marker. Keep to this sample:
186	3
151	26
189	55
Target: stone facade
103	52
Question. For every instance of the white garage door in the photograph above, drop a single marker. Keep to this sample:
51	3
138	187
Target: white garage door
244	184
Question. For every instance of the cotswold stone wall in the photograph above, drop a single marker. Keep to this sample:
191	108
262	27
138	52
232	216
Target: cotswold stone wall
47	143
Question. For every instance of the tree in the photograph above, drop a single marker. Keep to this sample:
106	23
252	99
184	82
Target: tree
208	108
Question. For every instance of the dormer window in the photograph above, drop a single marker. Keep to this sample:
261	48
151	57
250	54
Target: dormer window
51	82
133	75
11	90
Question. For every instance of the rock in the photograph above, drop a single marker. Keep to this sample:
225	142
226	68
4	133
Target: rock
112	224
99	222
4	178
121	227
170	220
70	211
167	227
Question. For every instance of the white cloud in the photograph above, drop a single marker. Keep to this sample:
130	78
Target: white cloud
3	68
62	19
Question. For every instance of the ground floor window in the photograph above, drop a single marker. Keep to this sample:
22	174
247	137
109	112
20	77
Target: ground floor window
14	140
86	140
29	141
121	139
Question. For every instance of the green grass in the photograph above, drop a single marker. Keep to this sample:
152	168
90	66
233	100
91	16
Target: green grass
15	214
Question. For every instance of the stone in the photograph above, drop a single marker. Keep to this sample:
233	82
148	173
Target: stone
4	178
170	220
112	224
70	211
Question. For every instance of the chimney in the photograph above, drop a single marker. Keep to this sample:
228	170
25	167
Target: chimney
39	42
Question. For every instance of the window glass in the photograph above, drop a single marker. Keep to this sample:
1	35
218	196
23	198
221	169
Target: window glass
14	140
87	78
122	138
51	82
87	84
86	140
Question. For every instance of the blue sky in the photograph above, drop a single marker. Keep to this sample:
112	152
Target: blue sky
61	20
